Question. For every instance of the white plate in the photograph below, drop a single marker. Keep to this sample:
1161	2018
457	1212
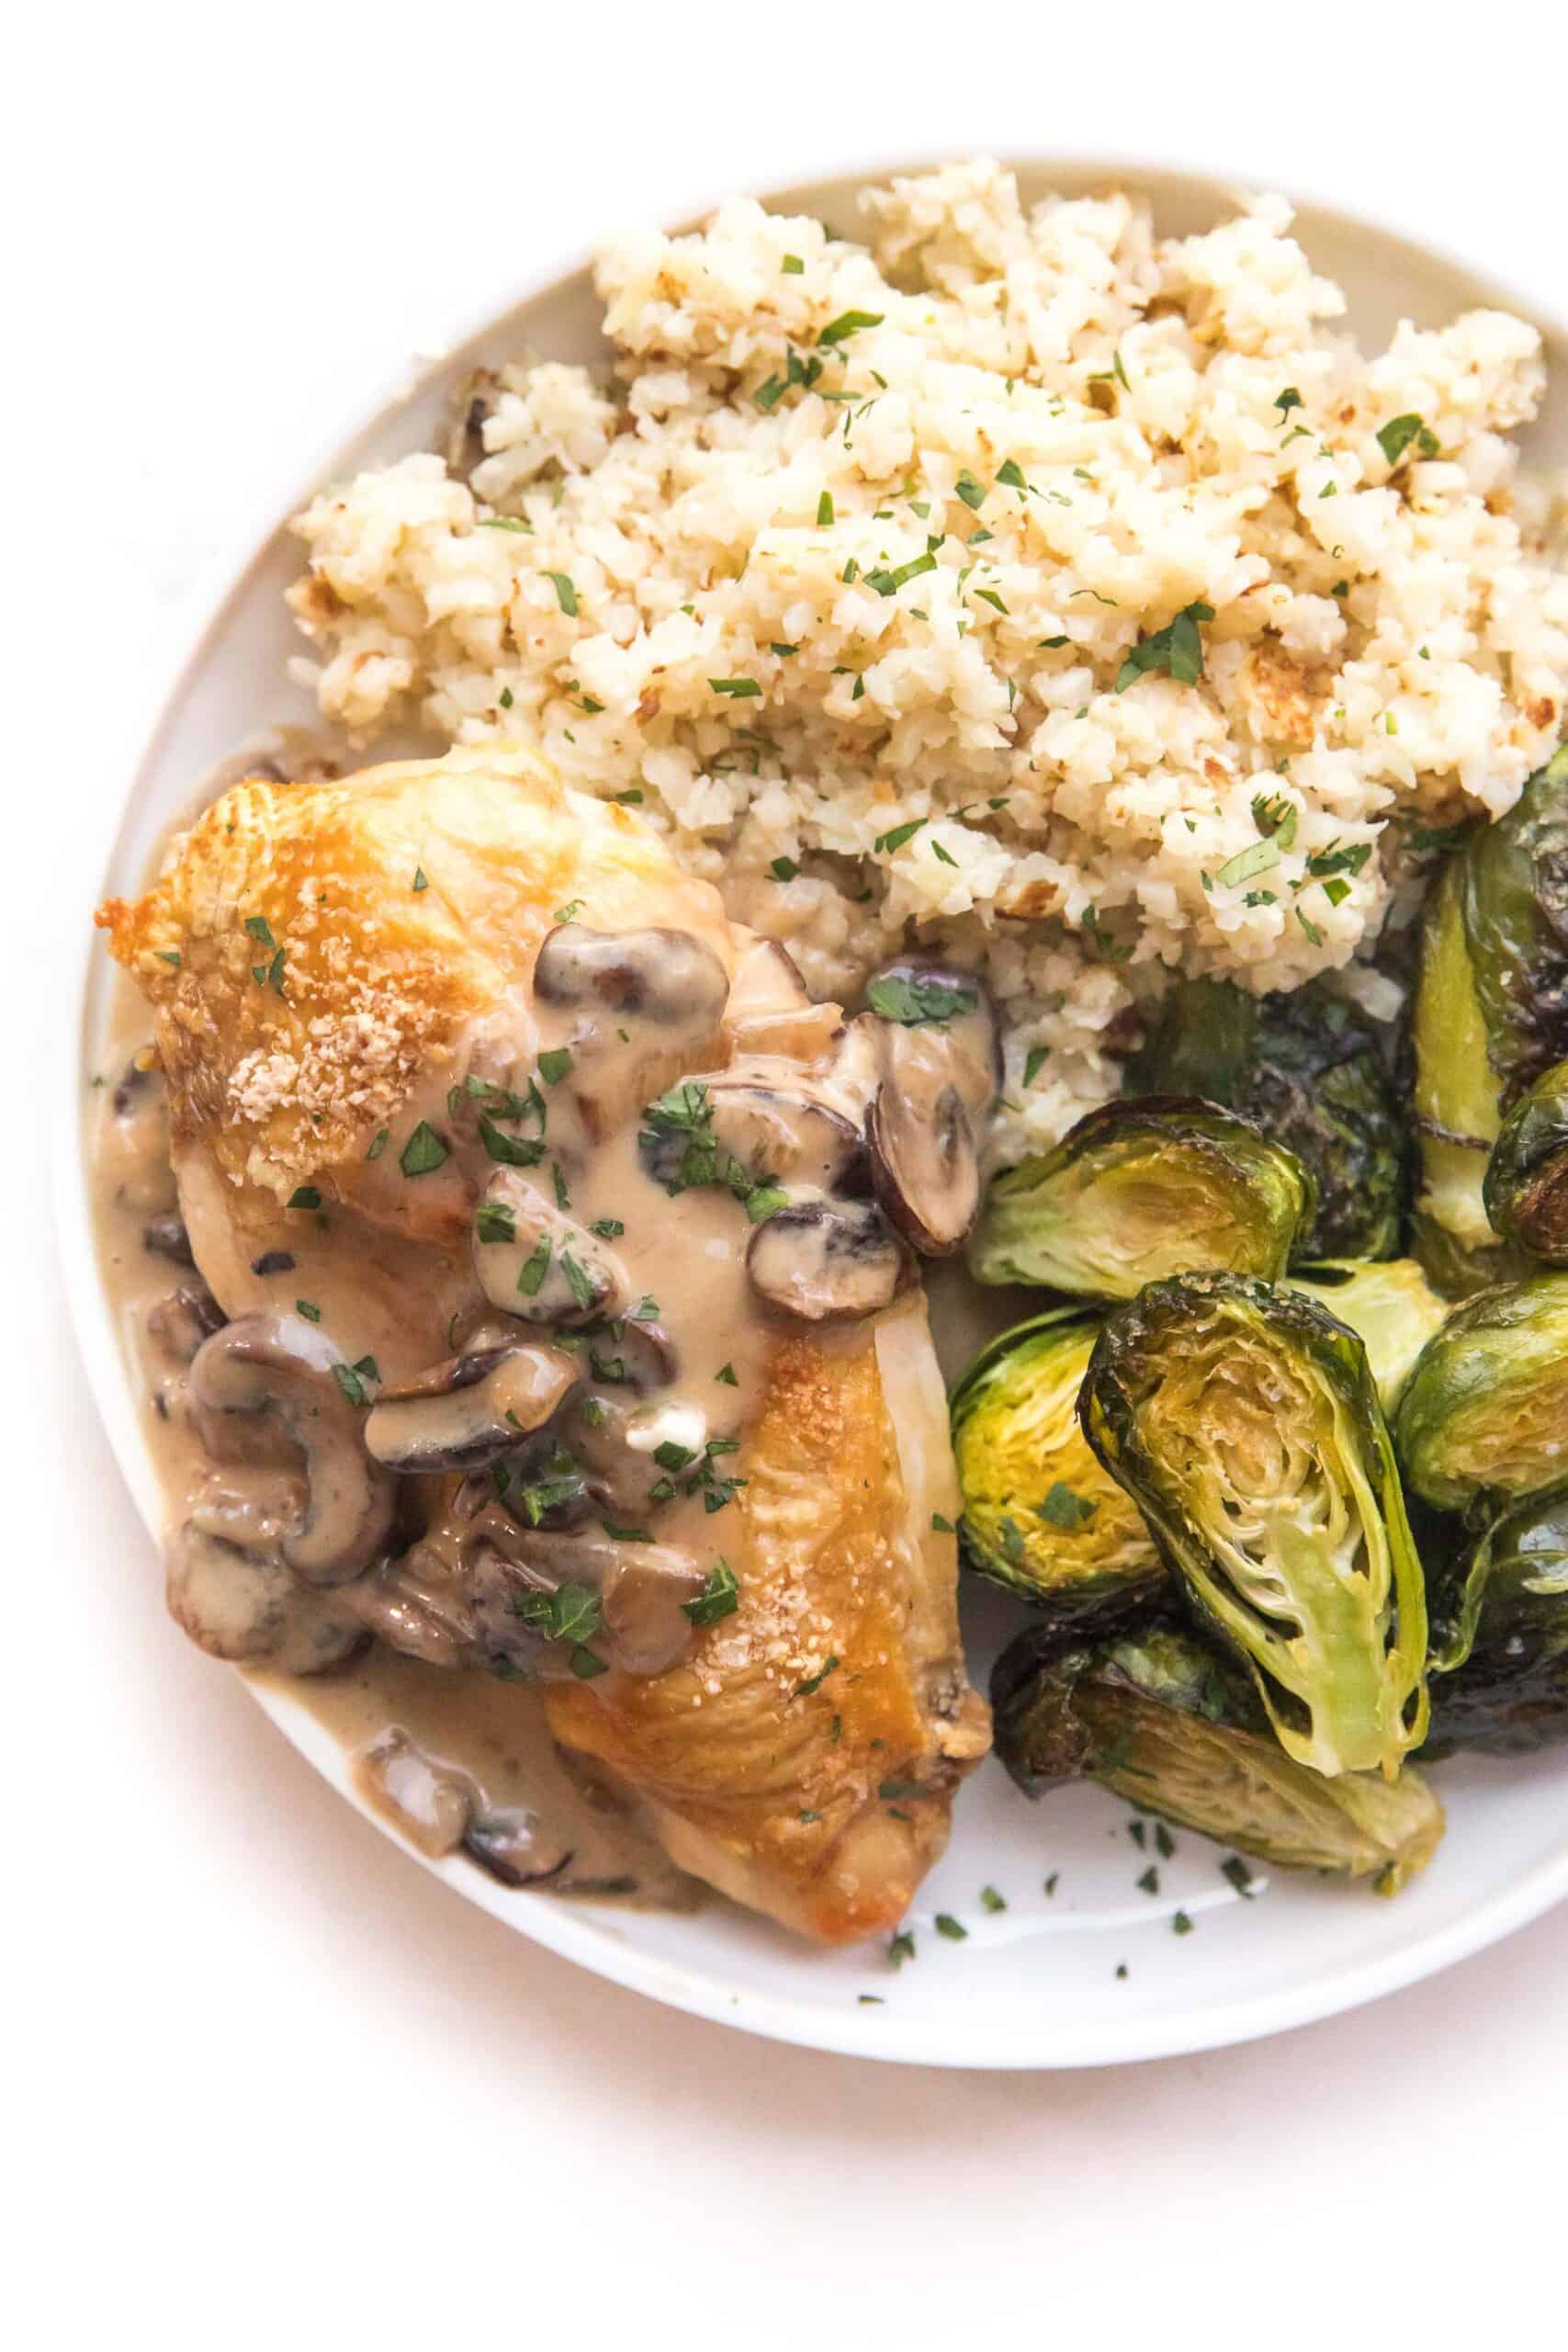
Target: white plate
1038	1983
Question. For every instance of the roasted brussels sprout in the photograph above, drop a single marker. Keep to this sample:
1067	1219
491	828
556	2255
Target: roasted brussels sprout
1306	1065
1392	1307
1485	1412
1491	1017
1168	1723
1509	1693
1040	1514
1526	1184
1245	1423
1141	1189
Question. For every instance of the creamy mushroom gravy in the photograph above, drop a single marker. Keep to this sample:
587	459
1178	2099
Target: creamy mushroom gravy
640	1266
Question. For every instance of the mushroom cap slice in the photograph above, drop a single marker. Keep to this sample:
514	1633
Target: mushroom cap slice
281	1366
828	1260
761	1132
469	1409
941	1023
536	1263
516	1847
245	1606
924	1165
669	978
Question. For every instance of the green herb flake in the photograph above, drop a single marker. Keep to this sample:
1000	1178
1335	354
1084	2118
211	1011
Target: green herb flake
565	594
720	1596
512	1151
992	1901
1149	1883
1011	474
554	1065
309	1309
1176	651
536	1268
919	1004
424	1151
1289	398
1180	1925
496	1222
260	930
421	879
901	1948
783	869
738	689
304	1196
1240	1877
825	509
1257	859
941	1526
1395	437
954	1929
1035	1062
815	1681
728	1375
1065	1509
847	324
887	842
350	1382
969	490
793	266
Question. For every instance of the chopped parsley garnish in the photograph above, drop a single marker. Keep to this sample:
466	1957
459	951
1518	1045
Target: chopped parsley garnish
1180	1924
570	913
738	689
349	1380
954	1929
565	594
783	869
260	930
536	1268
720	1596
377	1143
549	1494
1289	398
793	266
768	395
423	1151
899	835
581	1284
729	1375
815	1681
633	798
992	1901
1176	650
1257	858
309	1309
304	1196
1065	1509
168	955
503	522
941	1526
624	1534
970	491
1240	1877
848	322
887	584
570	1614
421	879
1034	1061
1395	437
890	1790
915	1004
496	1222
784	651
1339	860
513	1151
608	1229
1053	1882
901	1948
1013	475
1149	1883
554	1065
825	509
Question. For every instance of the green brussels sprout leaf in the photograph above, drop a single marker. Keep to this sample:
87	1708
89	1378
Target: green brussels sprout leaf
1507	1693
1388	1304
1526	1185
1485	1413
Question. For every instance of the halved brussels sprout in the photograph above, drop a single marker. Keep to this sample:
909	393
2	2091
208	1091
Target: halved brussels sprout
1526	1184
1172	1725
1392	1307
1509	1691
1491	1017
1141	1189
1307	1067
1245	1423
1040	1514
1486	1408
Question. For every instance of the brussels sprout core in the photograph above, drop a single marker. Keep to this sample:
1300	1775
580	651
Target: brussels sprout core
1245	1423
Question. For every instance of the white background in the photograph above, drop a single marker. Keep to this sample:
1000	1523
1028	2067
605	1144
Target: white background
265	2081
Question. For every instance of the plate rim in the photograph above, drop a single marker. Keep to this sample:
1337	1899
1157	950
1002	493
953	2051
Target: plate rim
576	1934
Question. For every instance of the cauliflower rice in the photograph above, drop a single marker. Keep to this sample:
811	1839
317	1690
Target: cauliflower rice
844	568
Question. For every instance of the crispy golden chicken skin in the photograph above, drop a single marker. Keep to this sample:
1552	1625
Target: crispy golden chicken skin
376	1077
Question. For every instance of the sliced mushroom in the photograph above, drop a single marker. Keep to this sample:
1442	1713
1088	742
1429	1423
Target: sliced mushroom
924	1165
418	1604
285	1368
769	1134
516	1847
828	1260
247	1607
430	1802
634	1354
669	978
473	403
469	1409
253	1508
167	1237
180	1322
536	1262
642	1591
939	1069
770	1010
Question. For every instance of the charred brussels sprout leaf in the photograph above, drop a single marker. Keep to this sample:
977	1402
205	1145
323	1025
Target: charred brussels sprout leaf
1485	1413
1391	1306
1526	1186
1510	1693
1514	878
1040	1514
1172	1725
1491	1017
1308	1067
1138	1190
1245	1423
